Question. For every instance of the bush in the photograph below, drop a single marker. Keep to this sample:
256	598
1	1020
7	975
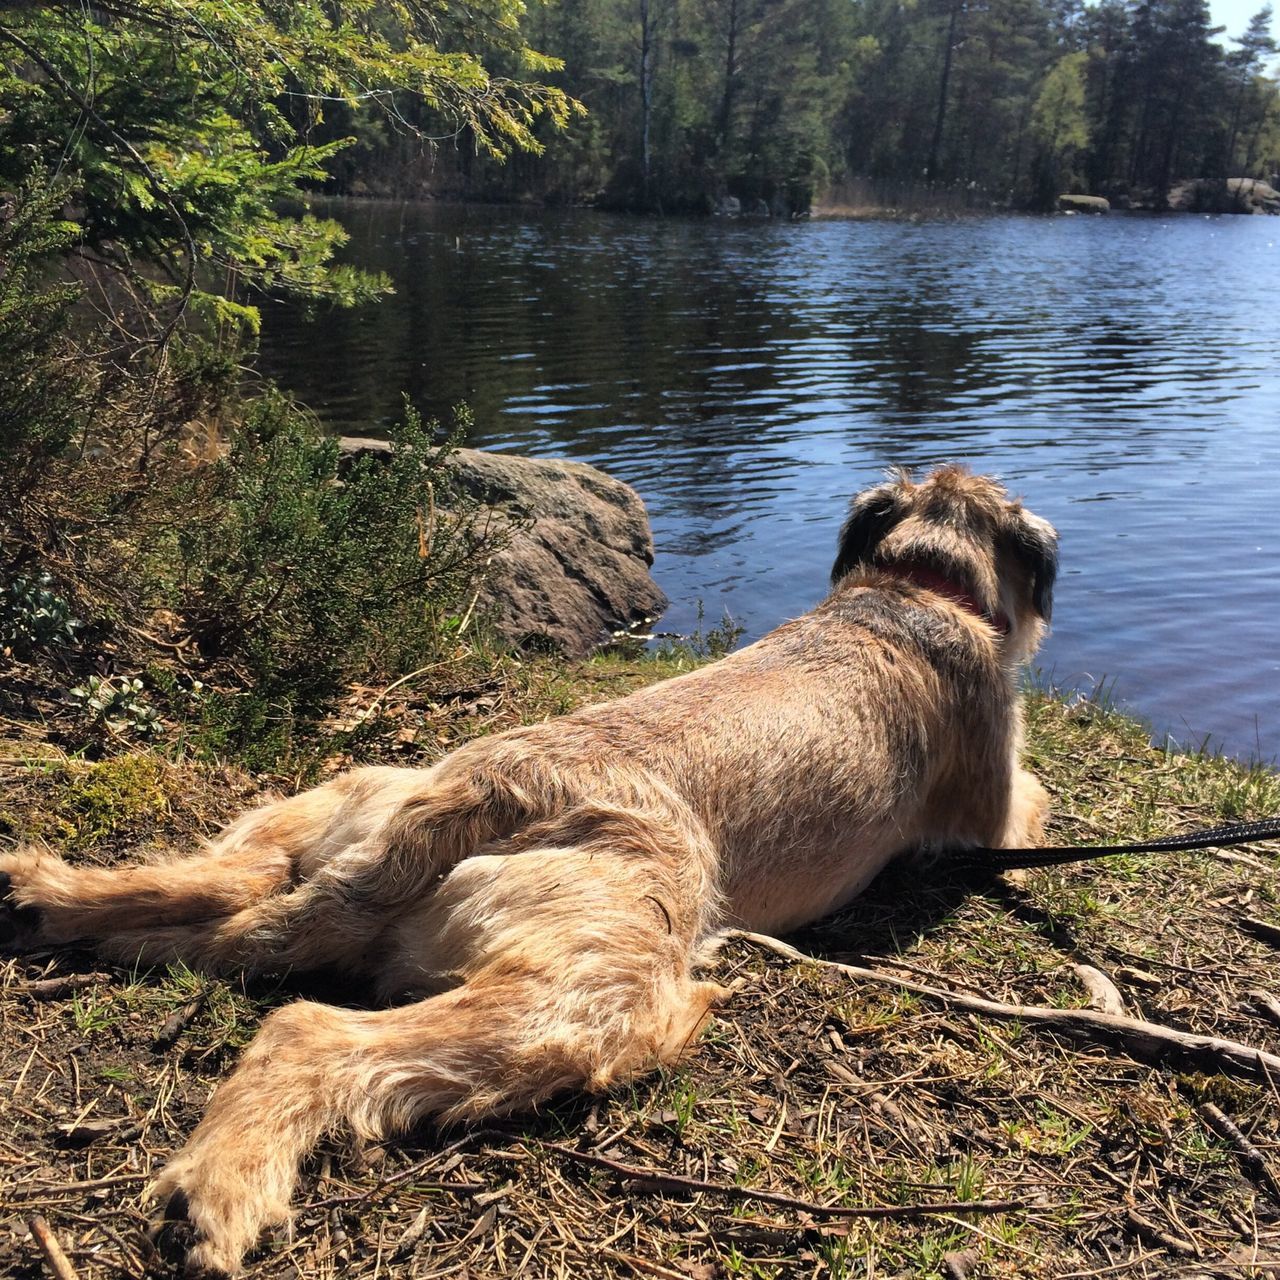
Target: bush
42	393
300	574
34	616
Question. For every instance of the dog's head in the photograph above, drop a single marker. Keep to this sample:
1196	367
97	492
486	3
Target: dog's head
966	530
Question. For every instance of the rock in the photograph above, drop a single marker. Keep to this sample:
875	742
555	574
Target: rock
1230	195
578	572
1083	204
728	207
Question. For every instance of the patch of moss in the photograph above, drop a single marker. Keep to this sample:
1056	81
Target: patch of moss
78	806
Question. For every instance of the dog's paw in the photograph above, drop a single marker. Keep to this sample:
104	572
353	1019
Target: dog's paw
210	1218
20	917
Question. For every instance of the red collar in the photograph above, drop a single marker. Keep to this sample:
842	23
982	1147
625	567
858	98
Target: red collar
940	584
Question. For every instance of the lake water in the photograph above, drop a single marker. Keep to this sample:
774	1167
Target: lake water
1121	373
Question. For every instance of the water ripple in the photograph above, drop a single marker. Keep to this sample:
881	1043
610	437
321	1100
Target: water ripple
1123	373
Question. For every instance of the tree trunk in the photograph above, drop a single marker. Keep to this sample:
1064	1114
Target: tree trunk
931	168
646	101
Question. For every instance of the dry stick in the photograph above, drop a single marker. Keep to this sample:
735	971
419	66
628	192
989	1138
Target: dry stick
1141	1040
1265	1002
41	1191
1145	1227
1254	1161
1104	995
178	1021
56	988
658	1180
52	1250
1263	929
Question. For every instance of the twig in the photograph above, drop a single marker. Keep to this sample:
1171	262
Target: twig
1262	929
178	1021
395	684
1254	1162
1141	1040
57	1261
658	1180
1148	1229
1267	1003
56	988
1104	995
412	1170
40	1190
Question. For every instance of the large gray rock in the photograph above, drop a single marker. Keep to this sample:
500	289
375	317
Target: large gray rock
576	569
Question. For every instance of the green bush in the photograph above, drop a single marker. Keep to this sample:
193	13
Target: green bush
34	616
300	573
43	394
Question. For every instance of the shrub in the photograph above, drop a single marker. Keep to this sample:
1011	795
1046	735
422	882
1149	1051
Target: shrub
300	574
34	616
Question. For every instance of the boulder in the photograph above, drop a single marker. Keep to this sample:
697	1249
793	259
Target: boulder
1230	195
576	570
1083	204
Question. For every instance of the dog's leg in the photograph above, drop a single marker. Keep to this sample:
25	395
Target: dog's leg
206	909
365	880
576	968
1028	806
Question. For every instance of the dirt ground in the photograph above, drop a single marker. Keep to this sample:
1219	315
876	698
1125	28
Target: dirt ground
825	1125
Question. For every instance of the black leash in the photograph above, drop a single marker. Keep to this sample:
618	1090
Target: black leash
1056	855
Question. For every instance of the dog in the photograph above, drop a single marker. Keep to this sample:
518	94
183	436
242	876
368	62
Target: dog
533	911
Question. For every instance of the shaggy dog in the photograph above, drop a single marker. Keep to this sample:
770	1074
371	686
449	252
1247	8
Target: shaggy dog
534	907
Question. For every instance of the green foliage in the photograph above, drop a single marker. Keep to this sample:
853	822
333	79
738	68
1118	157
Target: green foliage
34	616
119	706
1058	120
183	129
41	397
953	103
299	572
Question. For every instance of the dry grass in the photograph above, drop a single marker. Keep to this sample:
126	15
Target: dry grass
829	1092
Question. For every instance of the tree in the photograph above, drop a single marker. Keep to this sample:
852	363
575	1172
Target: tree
1059	125
1246	64
180	128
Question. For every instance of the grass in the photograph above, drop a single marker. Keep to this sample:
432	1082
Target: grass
807	1084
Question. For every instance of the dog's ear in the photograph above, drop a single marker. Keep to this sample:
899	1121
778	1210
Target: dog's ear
1035	543
871	516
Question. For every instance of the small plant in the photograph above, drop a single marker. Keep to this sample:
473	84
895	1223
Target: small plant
34	616
91	1013
119	707
704	644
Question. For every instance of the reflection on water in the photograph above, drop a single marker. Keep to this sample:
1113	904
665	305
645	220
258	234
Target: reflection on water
1121	373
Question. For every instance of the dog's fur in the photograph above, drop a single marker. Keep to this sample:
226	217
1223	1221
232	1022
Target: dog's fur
543	897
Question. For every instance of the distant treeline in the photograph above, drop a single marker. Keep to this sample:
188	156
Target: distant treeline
692	104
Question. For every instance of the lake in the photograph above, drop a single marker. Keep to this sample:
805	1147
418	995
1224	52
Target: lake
1121	373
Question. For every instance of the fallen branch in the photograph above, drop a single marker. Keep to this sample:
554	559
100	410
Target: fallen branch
1145	1041
658	1180
1254	1162
1266	1003
56	988
57	1261
1261	929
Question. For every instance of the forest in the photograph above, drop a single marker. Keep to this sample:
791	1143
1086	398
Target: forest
950	103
